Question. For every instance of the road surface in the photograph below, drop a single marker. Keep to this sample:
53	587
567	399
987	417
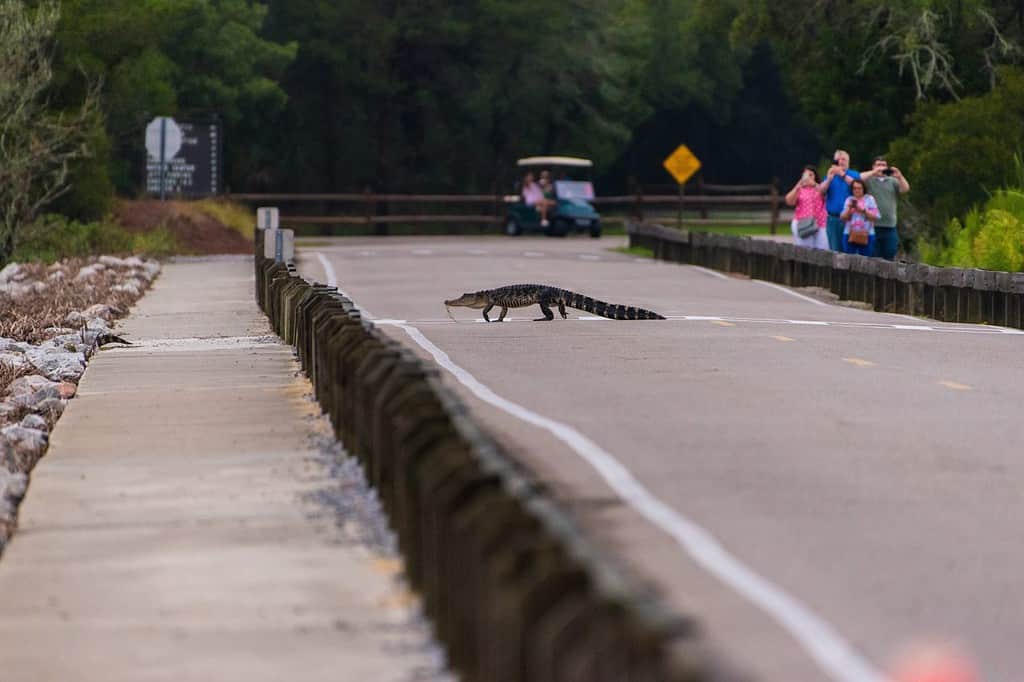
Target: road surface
822	486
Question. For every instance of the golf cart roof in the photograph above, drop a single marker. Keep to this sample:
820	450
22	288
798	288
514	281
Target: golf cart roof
555	161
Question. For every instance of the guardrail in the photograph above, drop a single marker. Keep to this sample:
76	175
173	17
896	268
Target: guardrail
945	294
515	590
488	211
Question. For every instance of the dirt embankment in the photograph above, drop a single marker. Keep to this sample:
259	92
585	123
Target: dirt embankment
196	231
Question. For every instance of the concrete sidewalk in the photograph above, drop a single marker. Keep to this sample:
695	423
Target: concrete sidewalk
184	523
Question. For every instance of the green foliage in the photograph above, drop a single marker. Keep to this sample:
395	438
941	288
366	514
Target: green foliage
174	57
956	153
53	237
990	237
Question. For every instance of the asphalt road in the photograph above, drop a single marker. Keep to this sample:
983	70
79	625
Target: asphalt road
822	486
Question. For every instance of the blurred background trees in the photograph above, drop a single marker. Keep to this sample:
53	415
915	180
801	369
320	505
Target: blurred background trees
426	96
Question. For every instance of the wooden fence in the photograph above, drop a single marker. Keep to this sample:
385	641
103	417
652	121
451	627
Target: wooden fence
369	209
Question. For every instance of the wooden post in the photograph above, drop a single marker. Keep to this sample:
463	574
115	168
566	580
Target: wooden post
775	204
639	203
700	190
682	193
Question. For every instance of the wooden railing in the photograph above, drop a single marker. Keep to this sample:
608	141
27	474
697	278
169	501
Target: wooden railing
380	210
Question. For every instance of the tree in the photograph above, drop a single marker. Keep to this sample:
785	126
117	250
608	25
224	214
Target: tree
37	145
204	58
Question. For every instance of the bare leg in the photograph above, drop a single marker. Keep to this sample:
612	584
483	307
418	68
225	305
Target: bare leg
502	316
548	315
487	310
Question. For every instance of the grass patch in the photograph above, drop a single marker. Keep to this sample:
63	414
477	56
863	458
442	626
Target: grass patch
236	216
53	237
641	251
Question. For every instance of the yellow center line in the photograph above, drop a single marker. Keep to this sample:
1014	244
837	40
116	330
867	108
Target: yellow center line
723	323
783	338
860	362
956	386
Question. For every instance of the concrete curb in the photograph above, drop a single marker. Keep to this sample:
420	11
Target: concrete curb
515	590
945	294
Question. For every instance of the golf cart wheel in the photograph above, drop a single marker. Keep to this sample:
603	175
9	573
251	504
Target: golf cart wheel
512	228
559	228
595	230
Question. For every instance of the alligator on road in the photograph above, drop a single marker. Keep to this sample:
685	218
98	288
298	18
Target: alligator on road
521	295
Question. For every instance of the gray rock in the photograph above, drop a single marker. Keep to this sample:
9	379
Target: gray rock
34	421
12	489
26	441
57	365
10	273
13	360
112	261
8	410
130	287
32	383
90	271
52	407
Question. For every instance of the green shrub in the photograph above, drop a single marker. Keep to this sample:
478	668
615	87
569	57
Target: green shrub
990	237
53	237
956	153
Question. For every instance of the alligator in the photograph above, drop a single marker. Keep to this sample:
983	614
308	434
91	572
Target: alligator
520	295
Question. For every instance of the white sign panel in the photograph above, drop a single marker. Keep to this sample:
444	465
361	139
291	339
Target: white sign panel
268	218
165	130
279	245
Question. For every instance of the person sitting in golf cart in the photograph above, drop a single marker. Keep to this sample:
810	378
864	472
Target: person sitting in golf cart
533	195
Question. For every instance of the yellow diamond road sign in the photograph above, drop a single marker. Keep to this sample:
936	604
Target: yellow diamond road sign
682	164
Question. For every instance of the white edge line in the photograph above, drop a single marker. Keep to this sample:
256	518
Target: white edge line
786	290
332	281
821	642
709	271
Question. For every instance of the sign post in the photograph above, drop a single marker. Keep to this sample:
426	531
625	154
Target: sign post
163	141
183	158
681	164
268	217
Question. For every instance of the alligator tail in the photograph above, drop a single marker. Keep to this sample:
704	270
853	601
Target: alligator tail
612	311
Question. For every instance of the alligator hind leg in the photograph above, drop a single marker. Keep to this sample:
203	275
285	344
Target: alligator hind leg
548	315
503	311
488	309
561	310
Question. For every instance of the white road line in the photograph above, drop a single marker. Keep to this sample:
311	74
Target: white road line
790	292
834	655
920	327
329	274
423	252
332	281
533	254
817	323
708	271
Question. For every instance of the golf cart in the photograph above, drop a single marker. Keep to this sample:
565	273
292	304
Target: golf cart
573	193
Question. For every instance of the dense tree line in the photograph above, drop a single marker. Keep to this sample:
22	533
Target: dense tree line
440	96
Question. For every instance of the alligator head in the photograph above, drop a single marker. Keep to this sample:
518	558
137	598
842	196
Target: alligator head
476	299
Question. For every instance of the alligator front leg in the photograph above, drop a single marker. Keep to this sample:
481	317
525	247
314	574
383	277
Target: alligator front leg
487	310
502	315
548	315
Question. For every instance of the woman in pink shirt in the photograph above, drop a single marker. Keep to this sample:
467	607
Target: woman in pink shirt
533	195
809	217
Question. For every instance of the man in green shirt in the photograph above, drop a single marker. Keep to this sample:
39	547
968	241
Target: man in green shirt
886	184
